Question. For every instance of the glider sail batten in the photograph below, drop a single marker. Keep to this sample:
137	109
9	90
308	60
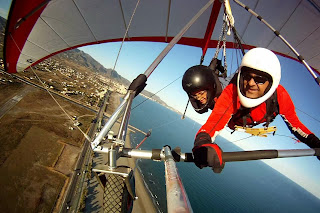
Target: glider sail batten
21	20
62	25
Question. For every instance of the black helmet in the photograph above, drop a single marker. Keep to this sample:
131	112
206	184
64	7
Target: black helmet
199	78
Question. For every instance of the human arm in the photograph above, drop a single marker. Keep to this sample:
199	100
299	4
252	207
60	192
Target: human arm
222	112
207	153
297	128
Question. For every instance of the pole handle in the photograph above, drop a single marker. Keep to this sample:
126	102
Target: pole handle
261	154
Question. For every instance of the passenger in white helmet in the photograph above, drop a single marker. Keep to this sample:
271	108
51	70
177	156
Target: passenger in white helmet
255	98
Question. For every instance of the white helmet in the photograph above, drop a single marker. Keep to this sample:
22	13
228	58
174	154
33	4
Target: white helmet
265	61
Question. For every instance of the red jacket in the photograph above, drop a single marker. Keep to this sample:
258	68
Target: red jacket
228	104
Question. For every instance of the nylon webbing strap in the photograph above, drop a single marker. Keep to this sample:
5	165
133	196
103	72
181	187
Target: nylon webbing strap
272	107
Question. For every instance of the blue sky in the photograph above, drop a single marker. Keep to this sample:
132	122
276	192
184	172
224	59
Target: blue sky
135	58
4	8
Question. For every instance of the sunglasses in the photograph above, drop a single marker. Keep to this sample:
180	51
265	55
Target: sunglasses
257	79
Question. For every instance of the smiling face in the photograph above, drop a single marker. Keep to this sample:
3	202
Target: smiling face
201	96
254	85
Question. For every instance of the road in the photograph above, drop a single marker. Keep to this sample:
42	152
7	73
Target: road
72	198
72	101
13	101
71	202
52	92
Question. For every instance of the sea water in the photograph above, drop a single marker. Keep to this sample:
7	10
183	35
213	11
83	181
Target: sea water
250	186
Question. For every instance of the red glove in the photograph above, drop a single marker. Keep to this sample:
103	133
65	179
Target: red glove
206	153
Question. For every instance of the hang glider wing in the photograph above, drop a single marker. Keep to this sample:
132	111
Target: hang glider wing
39	29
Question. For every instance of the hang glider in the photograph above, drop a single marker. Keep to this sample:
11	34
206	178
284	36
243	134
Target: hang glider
39	29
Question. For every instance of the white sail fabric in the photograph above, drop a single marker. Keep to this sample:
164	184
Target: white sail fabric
66	24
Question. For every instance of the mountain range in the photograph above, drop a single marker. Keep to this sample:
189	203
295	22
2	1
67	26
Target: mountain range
85	60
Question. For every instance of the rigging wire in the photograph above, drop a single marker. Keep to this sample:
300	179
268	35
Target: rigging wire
283	135
124	37
239	64
308	36
242	139
127	29
250	18
165	124
156	62
165	51
238	55
293	138
156	93
114	69
285	24
237	51
308	115
85	21
277	33
55	100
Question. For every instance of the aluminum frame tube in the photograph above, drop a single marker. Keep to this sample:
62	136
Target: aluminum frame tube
280	36
101	149
141	154
177	199
112	162
147	73
227	156
126	116
164	52
114	117
296	153
266	154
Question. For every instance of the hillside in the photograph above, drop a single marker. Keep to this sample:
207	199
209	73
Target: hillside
85	60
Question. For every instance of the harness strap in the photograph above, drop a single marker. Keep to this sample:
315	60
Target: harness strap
272	110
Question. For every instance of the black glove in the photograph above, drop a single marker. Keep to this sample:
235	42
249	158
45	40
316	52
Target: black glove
206	153
202	138
176	154
313	142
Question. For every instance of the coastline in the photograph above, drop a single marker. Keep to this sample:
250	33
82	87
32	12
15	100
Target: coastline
144	203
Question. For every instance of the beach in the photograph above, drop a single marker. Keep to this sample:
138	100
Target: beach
144	202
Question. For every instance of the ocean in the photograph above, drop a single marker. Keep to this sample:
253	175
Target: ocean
250	186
